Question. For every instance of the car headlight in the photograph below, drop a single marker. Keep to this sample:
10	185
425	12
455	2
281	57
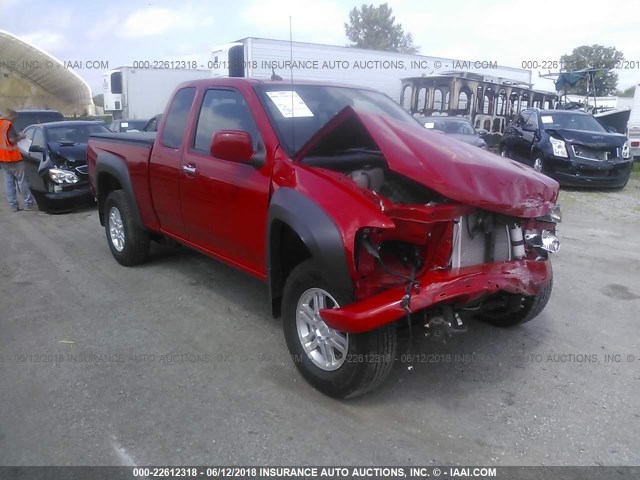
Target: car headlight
554	216
559	147
626	150
62	176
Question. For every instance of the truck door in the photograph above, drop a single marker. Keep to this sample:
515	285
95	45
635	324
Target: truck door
165	165
225	203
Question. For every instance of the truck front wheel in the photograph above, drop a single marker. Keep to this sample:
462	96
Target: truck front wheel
339	364
517	310
129	243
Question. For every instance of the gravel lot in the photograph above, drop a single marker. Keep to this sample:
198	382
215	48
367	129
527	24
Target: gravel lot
179	362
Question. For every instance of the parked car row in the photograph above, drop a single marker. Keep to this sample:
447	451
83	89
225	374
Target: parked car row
569	146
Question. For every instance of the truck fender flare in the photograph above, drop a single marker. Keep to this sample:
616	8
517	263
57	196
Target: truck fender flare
318	232
107	163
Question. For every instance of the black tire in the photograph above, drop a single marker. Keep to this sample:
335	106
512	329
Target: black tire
369	356
536	158
136	240
532	307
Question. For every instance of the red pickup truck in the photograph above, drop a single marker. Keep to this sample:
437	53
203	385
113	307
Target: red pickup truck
357	217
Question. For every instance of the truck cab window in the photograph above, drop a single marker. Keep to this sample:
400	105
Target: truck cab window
177	117
223	110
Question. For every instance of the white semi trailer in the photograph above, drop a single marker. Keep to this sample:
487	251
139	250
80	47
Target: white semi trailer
140	93
261	58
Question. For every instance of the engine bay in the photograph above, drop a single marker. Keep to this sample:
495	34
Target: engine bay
368	170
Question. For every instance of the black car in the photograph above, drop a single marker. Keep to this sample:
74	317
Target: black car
570	146
30	117
456	127
55	156
134	125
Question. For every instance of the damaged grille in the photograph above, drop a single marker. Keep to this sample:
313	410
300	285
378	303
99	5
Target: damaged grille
594	153
473	247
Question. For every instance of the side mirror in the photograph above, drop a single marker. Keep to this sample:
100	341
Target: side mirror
232	145
529	128
482	132
36	149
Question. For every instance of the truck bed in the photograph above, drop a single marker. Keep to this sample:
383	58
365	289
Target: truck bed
130	153
145	138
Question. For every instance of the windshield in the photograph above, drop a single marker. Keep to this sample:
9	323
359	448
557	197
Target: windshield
571	121
75	133
297	112
128	125
450	126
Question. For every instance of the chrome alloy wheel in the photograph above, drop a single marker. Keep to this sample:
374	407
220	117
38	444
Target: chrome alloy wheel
116	229
326	348
537	164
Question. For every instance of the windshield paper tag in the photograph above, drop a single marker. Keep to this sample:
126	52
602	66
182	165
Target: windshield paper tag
290	104
429	125
124	124
546	119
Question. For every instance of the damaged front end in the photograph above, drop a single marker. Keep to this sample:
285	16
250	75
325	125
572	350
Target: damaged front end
470	262
459	244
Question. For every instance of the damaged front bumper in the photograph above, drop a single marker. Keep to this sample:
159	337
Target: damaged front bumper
462	285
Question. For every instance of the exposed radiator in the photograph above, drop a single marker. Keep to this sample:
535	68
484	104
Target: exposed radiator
471	249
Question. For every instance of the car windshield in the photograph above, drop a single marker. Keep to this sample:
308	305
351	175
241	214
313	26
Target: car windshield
451	126
128	125
75	133
571	121
297	112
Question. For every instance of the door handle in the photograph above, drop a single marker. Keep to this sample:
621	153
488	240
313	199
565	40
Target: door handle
189	169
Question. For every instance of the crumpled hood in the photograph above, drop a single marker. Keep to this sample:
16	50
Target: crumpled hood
461	172
73	153
589	139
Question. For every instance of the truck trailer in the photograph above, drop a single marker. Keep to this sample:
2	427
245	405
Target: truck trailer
261	58
134	93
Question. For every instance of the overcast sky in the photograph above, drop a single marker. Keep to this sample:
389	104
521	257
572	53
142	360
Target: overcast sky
509	32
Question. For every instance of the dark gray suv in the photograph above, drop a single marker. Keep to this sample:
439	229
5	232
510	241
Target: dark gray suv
31	117
570	146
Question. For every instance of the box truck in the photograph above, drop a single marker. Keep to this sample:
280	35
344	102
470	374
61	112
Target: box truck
261	58
141	93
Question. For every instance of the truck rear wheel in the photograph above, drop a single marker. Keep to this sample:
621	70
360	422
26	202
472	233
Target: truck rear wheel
338	364
128	243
